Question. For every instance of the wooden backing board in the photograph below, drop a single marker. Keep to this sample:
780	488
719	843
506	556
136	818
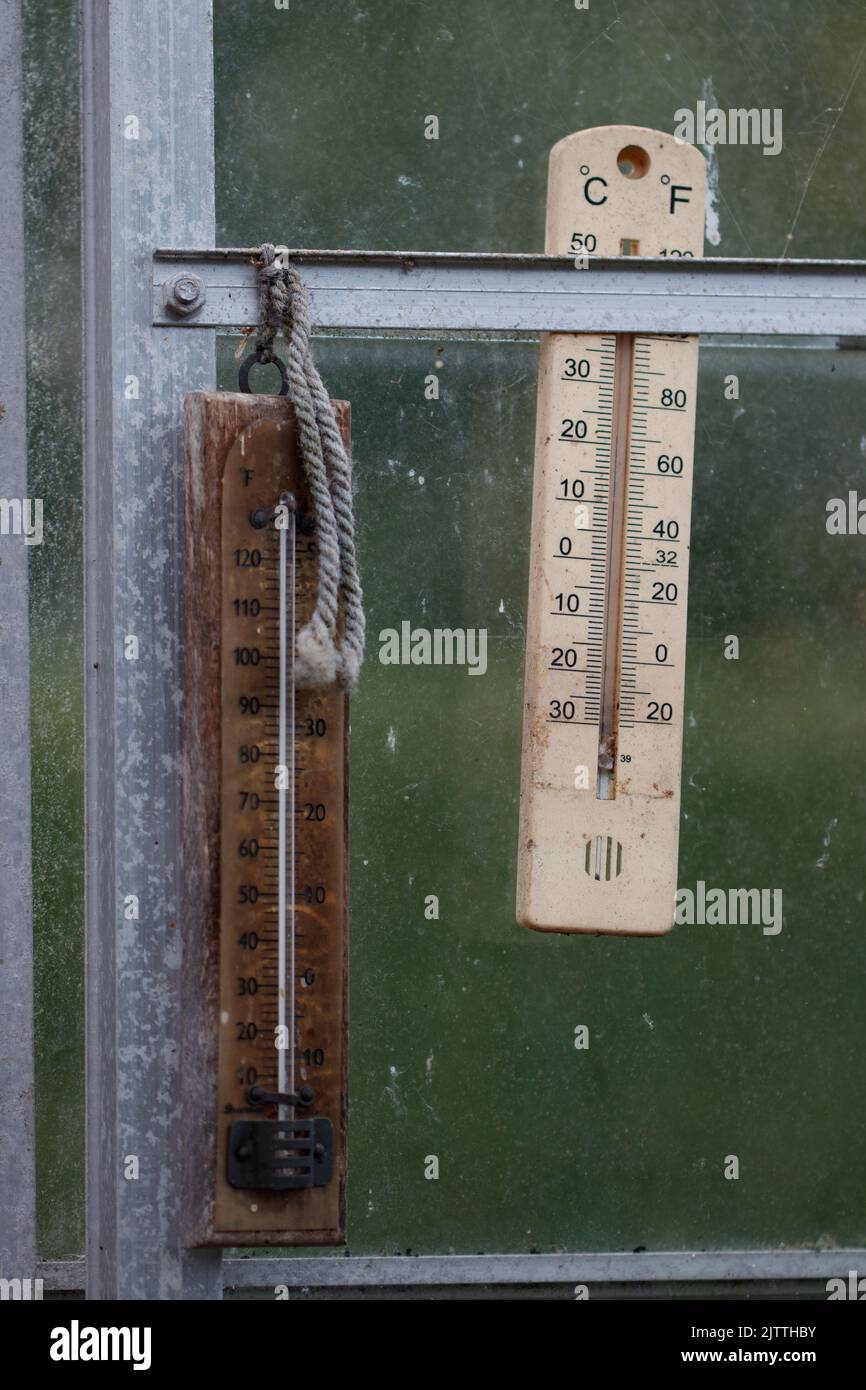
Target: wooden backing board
225	434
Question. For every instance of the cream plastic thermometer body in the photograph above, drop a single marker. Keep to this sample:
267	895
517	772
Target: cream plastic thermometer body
606	627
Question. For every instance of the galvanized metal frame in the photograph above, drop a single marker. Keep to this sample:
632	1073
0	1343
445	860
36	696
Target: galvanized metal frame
147	185
148	176
17	1136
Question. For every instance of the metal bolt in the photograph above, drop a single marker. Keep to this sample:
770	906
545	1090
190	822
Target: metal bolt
185	293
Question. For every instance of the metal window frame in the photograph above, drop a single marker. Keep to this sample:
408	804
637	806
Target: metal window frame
147	95
794	1271
154	63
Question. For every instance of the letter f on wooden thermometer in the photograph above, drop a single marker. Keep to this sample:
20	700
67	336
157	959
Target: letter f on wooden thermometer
606	627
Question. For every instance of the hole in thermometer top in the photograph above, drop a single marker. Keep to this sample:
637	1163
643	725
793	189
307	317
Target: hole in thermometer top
606	626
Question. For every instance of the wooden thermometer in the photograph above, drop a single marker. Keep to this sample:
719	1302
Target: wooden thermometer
606	631
265	832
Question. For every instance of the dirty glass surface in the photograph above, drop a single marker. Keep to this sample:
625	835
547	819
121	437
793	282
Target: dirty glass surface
321	112
53	289
716	1041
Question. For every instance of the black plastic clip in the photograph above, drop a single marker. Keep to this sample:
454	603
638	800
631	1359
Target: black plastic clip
279	1155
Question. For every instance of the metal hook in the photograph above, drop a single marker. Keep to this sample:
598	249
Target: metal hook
262	359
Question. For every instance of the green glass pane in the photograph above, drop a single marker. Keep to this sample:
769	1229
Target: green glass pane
321	110
714	1041
53	289
717	1040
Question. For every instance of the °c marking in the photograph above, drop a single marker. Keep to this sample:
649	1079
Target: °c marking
596	202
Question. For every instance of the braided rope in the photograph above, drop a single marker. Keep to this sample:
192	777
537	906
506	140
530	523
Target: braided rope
324	654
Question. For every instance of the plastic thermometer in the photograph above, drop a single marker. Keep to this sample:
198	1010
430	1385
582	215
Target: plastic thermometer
606	630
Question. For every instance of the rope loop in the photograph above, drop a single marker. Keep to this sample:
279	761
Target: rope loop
330	647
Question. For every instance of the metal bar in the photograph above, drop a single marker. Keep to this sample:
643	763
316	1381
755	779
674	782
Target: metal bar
62	1276
509	260
456	1270
451	292
148	175
420	1271
17	1138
